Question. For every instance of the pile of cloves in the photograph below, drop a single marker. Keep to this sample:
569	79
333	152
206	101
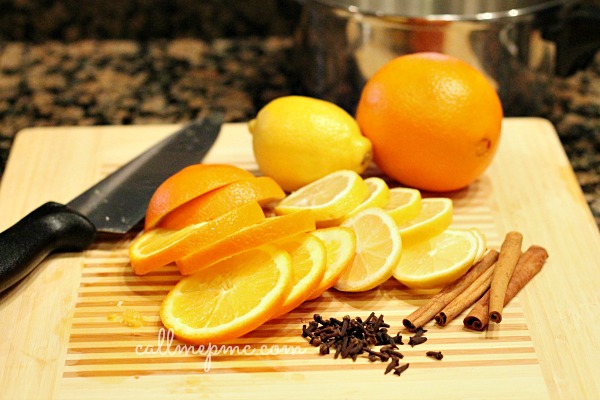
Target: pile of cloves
351	337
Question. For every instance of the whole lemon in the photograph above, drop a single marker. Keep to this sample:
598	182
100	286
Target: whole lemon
297	140
434	121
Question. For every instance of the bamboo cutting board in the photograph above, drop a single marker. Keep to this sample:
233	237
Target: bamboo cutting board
62	336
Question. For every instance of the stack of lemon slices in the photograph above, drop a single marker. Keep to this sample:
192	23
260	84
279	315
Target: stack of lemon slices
398	233
244	266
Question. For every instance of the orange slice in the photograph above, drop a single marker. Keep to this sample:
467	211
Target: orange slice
237	296
340	246
187	184
267	231
158	247
308	268
203	208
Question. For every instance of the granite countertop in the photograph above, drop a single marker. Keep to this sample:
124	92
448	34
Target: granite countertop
172	80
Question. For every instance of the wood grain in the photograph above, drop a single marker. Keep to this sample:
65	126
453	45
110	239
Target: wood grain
60	332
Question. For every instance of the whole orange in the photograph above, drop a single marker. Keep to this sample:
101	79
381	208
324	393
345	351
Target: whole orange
434	121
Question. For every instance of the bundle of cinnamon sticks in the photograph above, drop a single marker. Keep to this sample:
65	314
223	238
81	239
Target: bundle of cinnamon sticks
488	286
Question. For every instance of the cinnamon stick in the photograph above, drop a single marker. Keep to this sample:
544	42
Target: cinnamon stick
466	299
529	264
478	317
510	251
427	312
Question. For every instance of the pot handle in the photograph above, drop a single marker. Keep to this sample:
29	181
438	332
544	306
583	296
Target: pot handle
577	38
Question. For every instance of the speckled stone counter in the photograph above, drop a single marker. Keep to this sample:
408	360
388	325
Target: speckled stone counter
126	81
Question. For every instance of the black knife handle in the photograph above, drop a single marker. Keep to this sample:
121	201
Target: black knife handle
51	227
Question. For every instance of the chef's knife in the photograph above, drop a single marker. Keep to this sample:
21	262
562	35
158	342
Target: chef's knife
114	205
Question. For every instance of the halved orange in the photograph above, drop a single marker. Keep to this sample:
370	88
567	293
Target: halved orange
267	231
158	247
186	185
230	300
203	208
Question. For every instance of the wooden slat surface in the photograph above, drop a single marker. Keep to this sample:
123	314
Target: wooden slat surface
59	333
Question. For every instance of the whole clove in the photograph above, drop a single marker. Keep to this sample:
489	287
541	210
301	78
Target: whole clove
399	370
396	340
323	349
391	352
417	338
378	355
393	364
435	354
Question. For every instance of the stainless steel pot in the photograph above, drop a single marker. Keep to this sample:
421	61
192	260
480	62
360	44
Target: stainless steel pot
518	45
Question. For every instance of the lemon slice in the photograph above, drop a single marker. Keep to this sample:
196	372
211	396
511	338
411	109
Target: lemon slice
340	245
328	198
404	204
230	300
482	241
437	261
435	216
379	196
378	248
308	268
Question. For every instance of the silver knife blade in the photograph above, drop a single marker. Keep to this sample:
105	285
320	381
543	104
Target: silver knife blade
119	202
115	204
